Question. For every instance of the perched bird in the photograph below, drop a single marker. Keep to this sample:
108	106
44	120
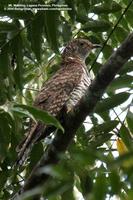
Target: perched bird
61	93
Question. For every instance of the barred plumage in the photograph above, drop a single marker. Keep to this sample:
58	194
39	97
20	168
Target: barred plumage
64	89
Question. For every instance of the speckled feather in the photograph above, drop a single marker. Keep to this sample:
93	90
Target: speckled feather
65	88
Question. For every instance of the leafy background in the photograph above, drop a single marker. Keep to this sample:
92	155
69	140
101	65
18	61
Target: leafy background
30	44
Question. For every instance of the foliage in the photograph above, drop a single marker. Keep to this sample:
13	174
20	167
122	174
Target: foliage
30	43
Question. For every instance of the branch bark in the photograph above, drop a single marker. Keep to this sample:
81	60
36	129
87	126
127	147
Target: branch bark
104	77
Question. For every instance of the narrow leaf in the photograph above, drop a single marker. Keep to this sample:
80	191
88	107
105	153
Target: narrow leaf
6	27
115	182
97	26
100	189
4	62
126	137
72	12
129	119
121	82
43	116
17	51
35	30
51	27
17	14
105	127
111	102
107	8
120	34
128	17
128	67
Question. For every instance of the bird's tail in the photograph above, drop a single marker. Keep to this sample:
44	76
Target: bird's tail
25	147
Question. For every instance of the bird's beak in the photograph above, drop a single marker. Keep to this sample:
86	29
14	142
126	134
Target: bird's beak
96	46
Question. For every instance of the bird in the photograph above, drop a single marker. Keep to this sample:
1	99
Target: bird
61	93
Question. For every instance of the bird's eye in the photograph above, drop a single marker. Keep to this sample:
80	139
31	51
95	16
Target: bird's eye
81	44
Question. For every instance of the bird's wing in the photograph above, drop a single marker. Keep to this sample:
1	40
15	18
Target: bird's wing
52	97
56	91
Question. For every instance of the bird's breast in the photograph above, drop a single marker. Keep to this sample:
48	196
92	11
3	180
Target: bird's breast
79	91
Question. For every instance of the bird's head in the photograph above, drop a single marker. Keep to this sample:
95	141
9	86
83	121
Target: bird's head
79	48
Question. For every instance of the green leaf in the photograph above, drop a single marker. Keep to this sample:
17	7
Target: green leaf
82	19
124	23
128	17
38	114
120	160
3	38
120	34
5	2
66	31
5	131
128	67
35	30
81	157
17	14
97	26
93	2
6	75
111	102
6	27
36	154
72	12
86	183
82	137
126	137
68	194
3	91
51	27
100	188
86	4
129	120
61	172
3	178
96	67
105	127
53	190
107	51
17	49
120	82
4	61
107	8
98	139
115	182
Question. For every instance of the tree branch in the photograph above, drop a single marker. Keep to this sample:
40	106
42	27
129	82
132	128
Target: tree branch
60	143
